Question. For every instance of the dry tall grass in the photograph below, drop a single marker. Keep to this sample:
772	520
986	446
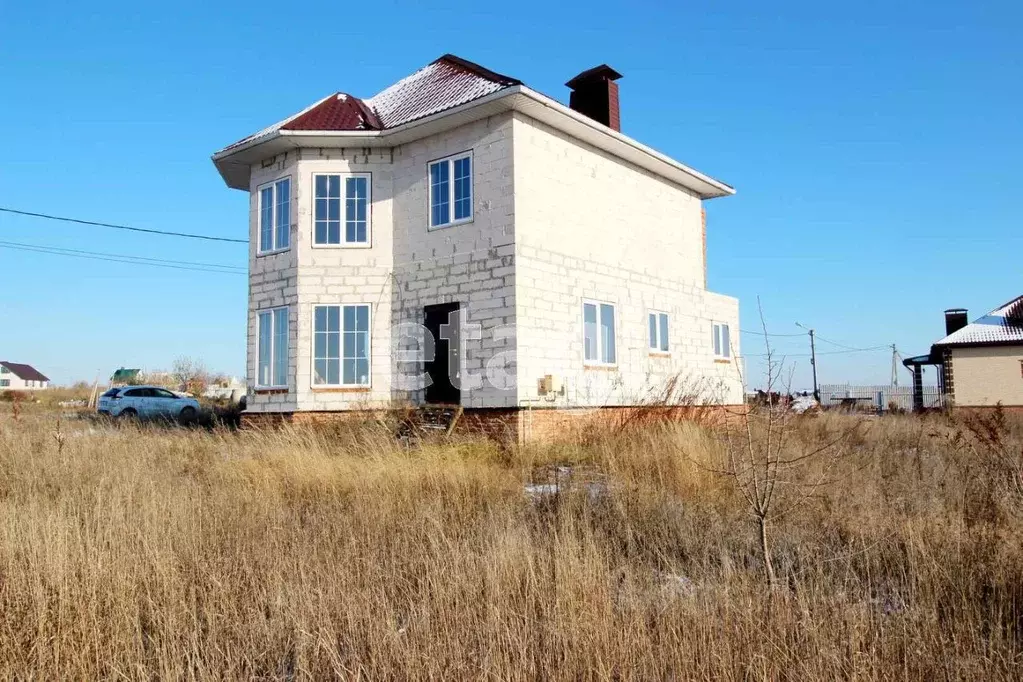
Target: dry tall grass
128	553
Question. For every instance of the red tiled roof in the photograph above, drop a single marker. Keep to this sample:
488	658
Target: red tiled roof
443	84
338	112
1003	325
24	372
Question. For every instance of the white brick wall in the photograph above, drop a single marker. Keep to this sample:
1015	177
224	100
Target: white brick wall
273	282
555	221
591	227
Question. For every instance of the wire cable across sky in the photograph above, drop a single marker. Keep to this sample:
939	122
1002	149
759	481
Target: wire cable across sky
93	223
121	258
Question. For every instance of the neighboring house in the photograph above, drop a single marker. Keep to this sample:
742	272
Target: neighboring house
18	377
980	363
460	238
124	376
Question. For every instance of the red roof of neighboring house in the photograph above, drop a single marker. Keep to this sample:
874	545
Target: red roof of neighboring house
24	372
445	83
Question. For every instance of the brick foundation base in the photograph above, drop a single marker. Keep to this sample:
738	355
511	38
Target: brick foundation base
987	409
522	425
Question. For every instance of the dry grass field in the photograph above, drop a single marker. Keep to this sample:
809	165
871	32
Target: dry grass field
148	553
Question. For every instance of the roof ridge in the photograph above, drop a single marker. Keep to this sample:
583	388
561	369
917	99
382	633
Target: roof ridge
475	68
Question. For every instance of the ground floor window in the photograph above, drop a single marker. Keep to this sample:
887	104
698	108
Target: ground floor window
599	333
658	332
341	345
722	341
272	351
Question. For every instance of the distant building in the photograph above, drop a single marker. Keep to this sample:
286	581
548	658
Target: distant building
123	376
980	363
18	377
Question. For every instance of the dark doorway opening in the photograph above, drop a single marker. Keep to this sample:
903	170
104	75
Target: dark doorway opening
444	369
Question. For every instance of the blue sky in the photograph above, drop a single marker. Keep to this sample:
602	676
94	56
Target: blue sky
875	149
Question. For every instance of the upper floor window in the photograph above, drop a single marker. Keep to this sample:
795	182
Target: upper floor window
275	216
341	213
341	340
722	341
272	370
451	190
658	333
599	333
4	370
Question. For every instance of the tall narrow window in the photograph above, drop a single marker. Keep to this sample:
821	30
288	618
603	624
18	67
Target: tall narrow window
341	345
356	209
722	341
451	190
275	216
599	333
658	333
341	210
272	349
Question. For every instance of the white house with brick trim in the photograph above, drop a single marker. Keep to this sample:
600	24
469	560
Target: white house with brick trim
979	364
460	238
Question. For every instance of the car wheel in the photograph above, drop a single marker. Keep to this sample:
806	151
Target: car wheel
128	414
187	414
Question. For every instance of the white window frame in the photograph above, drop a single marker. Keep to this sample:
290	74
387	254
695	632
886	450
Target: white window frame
450	161
344	243
273	349
341	348
4	383
600	344
665	332
718	342
275	230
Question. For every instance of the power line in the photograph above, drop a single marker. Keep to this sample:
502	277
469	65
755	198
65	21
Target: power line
132	260
842	345
239	268
124	227
827	352
777	336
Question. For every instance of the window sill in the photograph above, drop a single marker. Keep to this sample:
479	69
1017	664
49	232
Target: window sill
341	389
260	254
353	245
456	223
600	368
722	361
659	354
270	389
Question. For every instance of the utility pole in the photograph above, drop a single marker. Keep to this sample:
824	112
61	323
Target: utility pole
813	364
895	366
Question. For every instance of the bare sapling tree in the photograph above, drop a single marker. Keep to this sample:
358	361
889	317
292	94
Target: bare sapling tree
773	475
191	375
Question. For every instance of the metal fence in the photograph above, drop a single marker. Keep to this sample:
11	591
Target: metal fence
877	398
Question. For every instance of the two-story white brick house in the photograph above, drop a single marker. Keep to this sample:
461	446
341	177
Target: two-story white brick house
459	237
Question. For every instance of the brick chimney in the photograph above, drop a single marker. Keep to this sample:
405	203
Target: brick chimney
595	94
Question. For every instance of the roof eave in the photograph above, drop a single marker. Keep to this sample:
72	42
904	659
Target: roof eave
234	163
978	344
